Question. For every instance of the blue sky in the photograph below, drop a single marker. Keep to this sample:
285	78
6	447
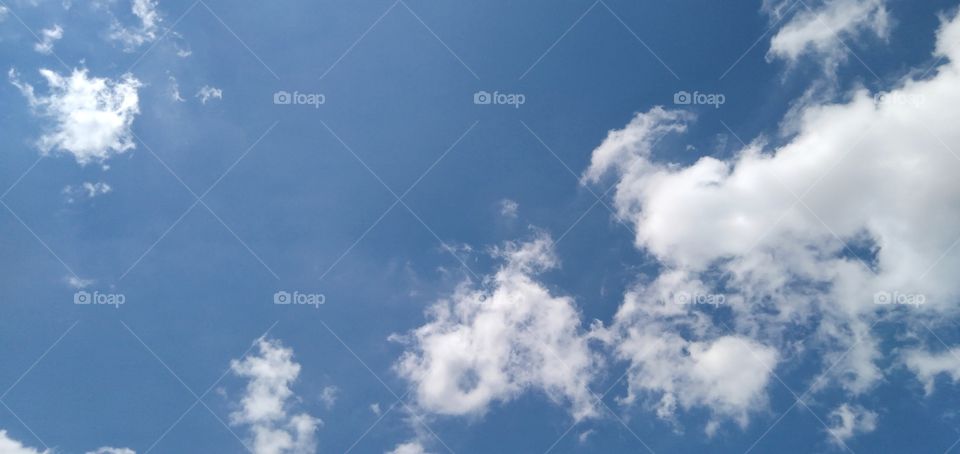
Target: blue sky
494	277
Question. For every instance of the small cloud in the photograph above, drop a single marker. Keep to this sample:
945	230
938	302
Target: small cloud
109	450
147	31
849	420
329	396
48	37
78	283
375	408
509	208
207	92
175	90
86	190
184	53
585	435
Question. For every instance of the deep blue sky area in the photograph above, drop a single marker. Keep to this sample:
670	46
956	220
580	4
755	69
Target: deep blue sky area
302	197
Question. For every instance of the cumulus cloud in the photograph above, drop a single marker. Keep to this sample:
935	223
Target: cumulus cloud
147	31
11	446
677	360
821	32
489	344
849	420
265	408
90	117
207	93
48	37
803	234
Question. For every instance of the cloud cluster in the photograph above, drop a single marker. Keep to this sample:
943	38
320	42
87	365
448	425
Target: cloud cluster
487	345
265	406
91	117
859	202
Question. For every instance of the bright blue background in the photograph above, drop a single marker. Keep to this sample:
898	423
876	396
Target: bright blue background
299	199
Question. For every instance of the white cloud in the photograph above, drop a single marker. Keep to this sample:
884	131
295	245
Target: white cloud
875	172
727	374
265	406
509	208
489	344
329	396
77	283
86	190
11	446
48	37
4	11
413	447
927	366
825	32
148	29
175	90
849	420
375	408
91	116
109	450
207	92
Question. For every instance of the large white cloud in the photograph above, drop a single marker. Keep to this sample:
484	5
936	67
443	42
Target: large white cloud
265	406
11	446
90	117
489	344
875	172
